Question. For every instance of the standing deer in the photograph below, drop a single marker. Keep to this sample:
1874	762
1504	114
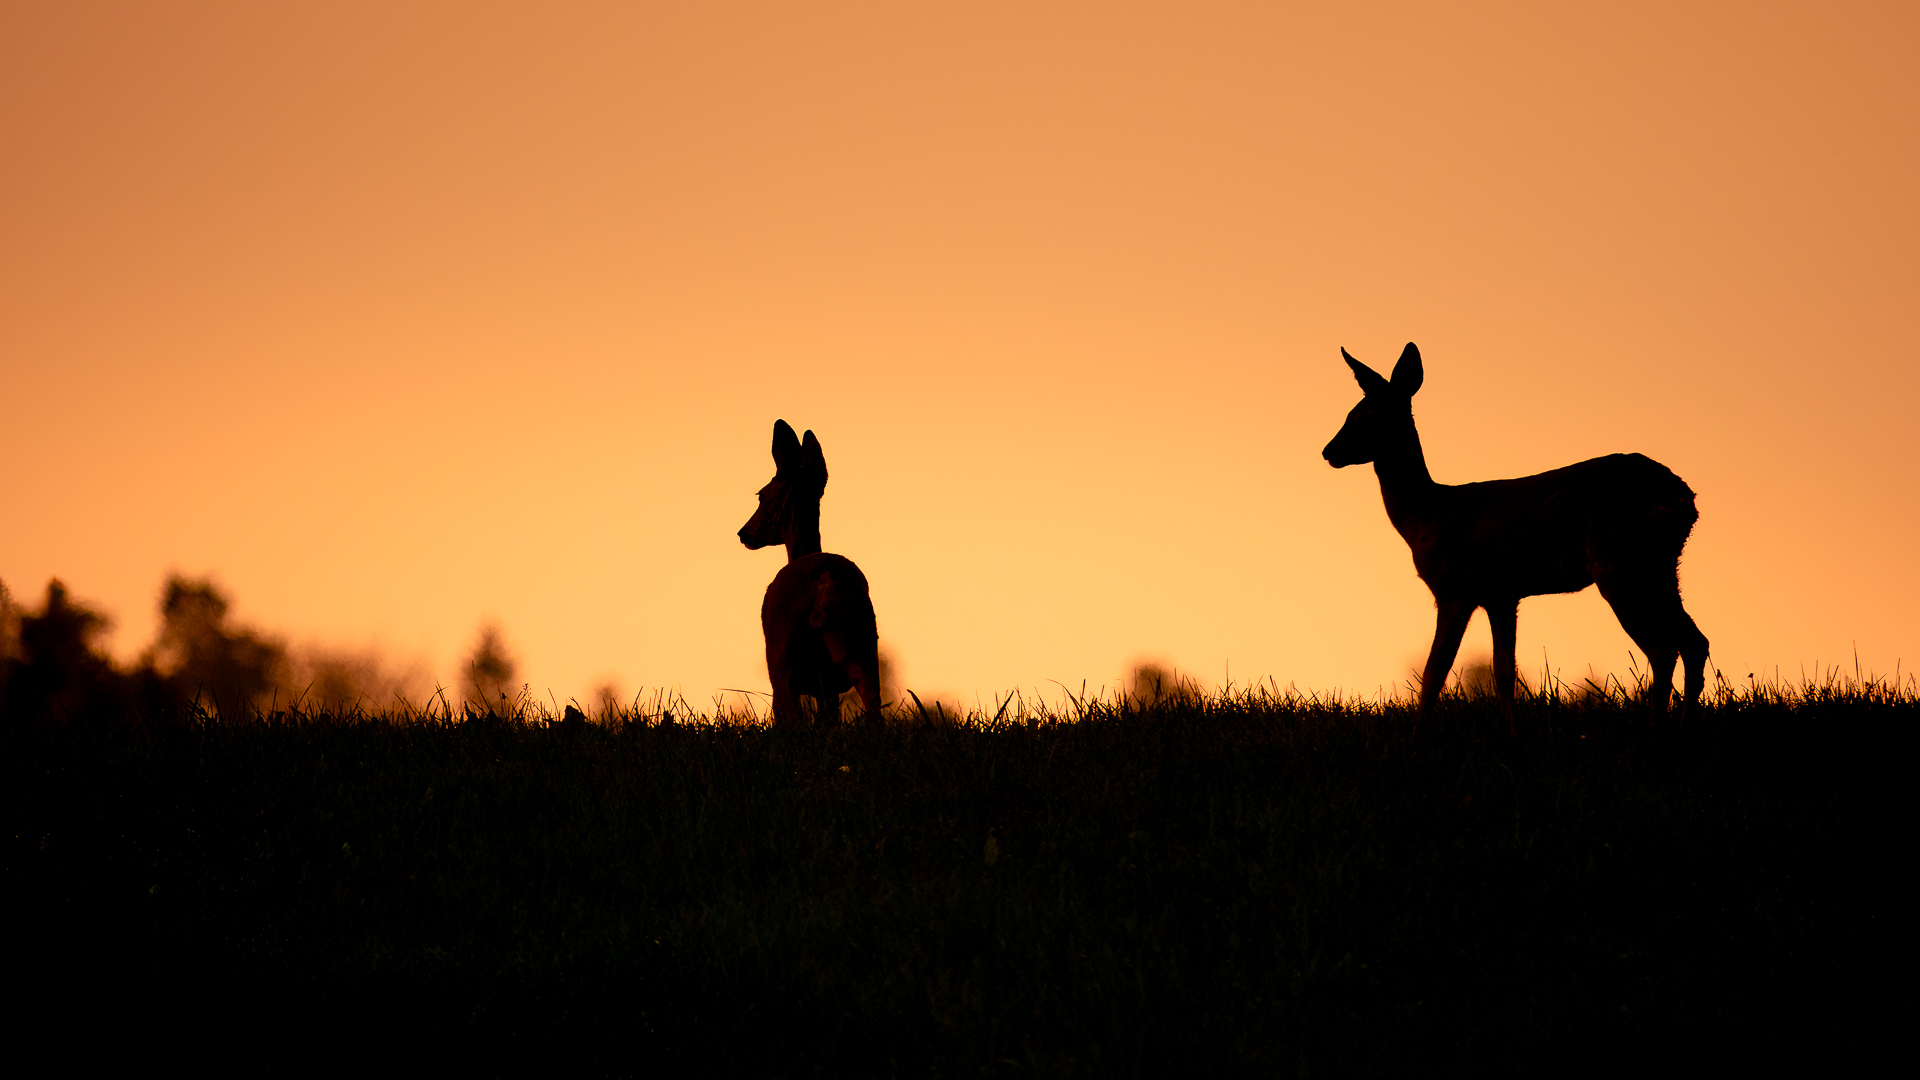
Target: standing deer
1618	521
817	616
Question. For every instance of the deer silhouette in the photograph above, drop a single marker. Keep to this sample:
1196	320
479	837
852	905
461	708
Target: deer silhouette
1617	521
818	614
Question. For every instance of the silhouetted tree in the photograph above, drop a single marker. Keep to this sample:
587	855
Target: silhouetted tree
230	670
9	637
56	673
9	624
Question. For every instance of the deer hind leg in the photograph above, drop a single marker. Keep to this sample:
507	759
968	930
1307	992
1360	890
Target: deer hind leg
1648	615
821	687
1693	650
863	670
1504	617
862	666
844	618
1450	625
859	669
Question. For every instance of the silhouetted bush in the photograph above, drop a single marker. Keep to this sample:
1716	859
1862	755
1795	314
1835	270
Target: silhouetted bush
1475	681
1152	685
489	679
341	681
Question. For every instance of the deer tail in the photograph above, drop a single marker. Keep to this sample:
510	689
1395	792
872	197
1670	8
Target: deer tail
1675	510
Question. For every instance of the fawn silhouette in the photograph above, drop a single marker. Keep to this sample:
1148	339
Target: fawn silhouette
1618	521
818	614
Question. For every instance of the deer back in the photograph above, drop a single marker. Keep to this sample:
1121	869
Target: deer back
818	614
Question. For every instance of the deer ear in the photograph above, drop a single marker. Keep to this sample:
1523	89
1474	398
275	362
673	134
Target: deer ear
812	457
1369	379
786	447
1407	375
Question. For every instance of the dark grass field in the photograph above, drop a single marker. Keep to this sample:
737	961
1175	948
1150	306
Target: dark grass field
1247	884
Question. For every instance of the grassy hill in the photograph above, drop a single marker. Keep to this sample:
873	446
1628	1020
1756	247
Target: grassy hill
1256	883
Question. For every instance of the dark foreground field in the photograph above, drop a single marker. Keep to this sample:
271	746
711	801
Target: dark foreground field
1264	886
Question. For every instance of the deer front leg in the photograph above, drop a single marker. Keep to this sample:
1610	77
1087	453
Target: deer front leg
1449	627
786	704
1504	616
1693	652
786	697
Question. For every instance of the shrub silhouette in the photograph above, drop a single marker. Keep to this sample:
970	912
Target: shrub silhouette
337	681
489	675
1152	685
608	705
1475	680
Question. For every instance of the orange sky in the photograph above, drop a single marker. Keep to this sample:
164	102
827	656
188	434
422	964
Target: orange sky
396	318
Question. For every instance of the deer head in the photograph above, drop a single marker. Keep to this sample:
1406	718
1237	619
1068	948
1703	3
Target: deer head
790	503
1382	423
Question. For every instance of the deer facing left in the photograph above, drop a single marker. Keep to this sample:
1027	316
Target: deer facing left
818	614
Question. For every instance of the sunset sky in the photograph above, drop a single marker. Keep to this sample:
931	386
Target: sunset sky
401	318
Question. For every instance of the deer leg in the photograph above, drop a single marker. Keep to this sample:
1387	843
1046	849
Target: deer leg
786	704
867	681
1693	650
1504	616
1652	629
863	670
1450	625
1678	637
1660	693
826	702
841	664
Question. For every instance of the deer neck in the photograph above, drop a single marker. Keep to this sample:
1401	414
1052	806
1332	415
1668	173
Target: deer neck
1406	486
803	533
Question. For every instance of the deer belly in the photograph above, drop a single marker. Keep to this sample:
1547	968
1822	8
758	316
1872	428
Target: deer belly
1561	580
1494	570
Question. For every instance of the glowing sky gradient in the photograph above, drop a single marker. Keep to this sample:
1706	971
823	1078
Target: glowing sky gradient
398	318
